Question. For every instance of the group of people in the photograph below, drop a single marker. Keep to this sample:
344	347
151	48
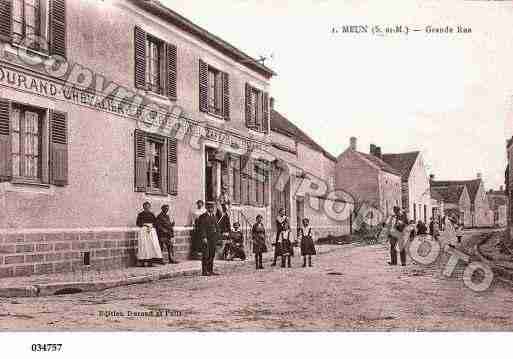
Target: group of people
156	234
400	230
212	229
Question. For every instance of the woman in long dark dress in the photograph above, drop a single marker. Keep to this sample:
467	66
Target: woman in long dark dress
148	243
307	242
282	222
197	244
258	237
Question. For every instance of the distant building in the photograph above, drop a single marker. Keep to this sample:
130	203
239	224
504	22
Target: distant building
453	201
480	213
437	203
509	186
416	196
369	179
497	201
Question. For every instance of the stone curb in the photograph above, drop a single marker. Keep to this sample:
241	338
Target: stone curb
43	290
504	274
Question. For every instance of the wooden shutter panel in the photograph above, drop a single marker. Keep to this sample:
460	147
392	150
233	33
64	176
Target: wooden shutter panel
5	20
252	183
236	179
57	27
172	166
250	121
140	57
203	86
5	141
265	112
58	148
226	96
244	181
171	71
140	161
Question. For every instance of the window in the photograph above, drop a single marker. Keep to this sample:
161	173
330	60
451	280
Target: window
155	64
154	55
33	144
257	109
27	19
250	181
26	142
215	91
156	164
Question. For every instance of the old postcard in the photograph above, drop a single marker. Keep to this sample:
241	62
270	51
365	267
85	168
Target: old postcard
255	166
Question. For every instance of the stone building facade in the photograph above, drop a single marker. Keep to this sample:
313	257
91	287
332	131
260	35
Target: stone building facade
126	102
498	202
369	180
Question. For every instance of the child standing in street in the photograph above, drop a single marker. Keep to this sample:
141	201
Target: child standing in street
307	242
286	249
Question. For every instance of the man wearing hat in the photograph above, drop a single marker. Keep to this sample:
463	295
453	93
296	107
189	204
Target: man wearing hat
209	234
165	232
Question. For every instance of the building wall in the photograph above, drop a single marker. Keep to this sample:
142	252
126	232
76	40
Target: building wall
100	195
464	206
390	192
483	217
418	191
358	178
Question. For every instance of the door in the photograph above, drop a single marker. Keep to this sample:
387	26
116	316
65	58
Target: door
300	211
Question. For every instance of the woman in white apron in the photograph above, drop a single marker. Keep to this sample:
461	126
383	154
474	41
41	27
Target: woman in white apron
148	249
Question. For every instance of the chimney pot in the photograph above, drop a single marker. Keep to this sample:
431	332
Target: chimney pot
377	152
372	150
271	103
501	188
353	143
431	177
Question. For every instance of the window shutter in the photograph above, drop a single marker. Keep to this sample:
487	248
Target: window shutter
203	86
5	141
172	166
140	57
226	96
171	71
265	112
267	194
252	183
244	180
250	121
236	179
5	20
57	27
58	148
140	161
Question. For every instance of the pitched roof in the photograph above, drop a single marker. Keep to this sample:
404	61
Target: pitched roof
449	193
156	8
472	186
382	165
403	162
281	124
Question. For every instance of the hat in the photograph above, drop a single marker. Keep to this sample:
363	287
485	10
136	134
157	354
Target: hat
210	204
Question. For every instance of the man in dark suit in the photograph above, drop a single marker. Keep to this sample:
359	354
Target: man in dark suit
209	230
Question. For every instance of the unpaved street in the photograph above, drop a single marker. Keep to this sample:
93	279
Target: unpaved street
351	288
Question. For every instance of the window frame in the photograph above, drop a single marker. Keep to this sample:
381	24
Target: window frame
257	111
161	65
217	87
43	141
161	141
43	26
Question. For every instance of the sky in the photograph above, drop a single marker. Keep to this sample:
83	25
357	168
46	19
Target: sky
447	95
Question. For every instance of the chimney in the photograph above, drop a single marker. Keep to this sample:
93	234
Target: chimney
501	188
431	177
352	143
479	175
377	152
271	103
372	150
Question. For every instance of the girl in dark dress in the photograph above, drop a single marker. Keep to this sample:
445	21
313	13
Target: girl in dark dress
258	236
307	242
282	222
286	246
197	244
235	247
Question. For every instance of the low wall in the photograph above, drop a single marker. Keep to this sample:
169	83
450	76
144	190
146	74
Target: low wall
44	252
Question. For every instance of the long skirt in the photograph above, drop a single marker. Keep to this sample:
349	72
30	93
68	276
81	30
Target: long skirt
308	247
148	245
283	248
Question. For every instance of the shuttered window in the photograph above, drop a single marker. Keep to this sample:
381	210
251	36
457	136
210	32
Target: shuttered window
25	134
156	163
257	109
155	64
214	91
251	182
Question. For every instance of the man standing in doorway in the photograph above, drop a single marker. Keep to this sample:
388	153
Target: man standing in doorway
209	232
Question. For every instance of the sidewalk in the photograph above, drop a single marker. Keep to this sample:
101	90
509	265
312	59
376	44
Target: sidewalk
93	280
